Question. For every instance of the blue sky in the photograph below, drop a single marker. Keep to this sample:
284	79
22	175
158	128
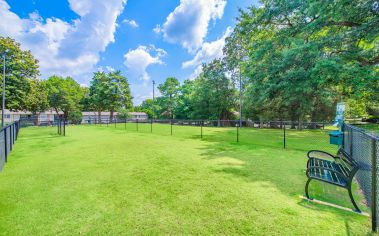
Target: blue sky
147	40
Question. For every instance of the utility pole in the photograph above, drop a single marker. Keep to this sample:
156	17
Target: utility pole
153	98
240	74
153	90
243	59
3	105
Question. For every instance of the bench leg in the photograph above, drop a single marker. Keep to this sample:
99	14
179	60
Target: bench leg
306	189
352	200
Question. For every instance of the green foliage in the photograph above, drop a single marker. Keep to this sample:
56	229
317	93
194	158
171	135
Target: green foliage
151	108
37	99
109	92
303	57
213	96
64	94
123	113
356	109
85	103
169	90
75	117
210	96
19	67
184	107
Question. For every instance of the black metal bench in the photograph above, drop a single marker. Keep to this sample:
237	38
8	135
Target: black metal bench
338	170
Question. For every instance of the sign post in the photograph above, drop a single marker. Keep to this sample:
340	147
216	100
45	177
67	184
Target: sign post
336	137
340	114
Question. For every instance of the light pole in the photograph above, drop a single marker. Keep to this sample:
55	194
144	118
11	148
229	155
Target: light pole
241	87
3	105
153	98
240	95
153	90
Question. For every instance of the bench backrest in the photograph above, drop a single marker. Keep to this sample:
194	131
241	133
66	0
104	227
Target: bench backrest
348	166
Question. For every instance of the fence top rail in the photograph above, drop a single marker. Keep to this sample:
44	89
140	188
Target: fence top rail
8	125
253	121
368	133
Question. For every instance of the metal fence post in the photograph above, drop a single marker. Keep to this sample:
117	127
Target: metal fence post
284	136
64	127
10	138
16	127
351	141
5	145
373	185
171	126
201	128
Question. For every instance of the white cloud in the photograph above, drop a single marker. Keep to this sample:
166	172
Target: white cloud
65	48
188	23
157	29
110	68
143	91
208	51
131	23
138	60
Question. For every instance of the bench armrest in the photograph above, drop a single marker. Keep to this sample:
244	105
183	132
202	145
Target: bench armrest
320	155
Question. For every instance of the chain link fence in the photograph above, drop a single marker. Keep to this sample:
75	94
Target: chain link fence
363	147
279	134
8	136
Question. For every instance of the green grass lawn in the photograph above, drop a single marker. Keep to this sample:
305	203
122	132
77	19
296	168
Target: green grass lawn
102	180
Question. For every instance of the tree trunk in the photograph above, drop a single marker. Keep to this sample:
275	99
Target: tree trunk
36	122
111	116
65	116
99	116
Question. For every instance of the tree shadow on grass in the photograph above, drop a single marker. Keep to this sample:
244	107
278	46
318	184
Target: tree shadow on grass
285	169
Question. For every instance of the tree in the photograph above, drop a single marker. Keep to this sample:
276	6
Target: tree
214	93
169	90
97	92
120	96
64	94
151	108
109	92
184	106
37	99
20	66
75	117
304	56
123	113
85	103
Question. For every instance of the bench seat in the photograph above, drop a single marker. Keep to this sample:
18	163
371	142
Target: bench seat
327	171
